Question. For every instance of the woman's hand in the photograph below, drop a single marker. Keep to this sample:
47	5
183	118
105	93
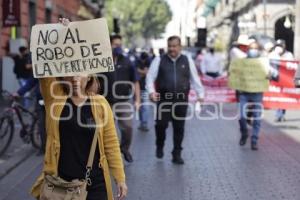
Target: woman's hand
64	21
122	190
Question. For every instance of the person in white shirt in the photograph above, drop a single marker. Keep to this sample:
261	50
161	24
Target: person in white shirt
211	64
280	53
168	83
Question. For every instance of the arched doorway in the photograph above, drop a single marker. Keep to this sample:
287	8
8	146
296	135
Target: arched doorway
287	34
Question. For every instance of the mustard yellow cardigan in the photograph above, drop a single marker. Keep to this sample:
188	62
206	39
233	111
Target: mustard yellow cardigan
110	155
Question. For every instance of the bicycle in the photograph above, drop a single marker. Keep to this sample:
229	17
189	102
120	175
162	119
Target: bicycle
29	131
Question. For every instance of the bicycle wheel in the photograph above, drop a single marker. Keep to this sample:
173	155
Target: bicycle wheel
35	135
6	133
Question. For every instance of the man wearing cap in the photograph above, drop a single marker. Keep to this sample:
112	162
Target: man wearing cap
240	47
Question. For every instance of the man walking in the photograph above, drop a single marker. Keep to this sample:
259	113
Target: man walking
143	64
122	84
168	83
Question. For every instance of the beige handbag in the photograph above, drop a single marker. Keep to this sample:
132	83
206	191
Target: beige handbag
55	188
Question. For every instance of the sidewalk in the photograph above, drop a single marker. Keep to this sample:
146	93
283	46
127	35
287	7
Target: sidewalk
17	152
216	168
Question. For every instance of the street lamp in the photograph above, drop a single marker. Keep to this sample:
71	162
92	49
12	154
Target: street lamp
287	22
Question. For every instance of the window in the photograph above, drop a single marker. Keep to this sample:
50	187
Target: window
32	14
48	15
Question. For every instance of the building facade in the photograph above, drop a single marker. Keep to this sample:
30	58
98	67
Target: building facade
37	12
33	12
274	18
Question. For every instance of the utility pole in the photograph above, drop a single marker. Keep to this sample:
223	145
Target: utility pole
297	31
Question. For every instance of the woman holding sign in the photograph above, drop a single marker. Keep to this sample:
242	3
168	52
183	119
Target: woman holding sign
74	114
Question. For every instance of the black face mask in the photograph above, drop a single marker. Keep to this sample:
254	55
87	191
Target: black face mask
117	51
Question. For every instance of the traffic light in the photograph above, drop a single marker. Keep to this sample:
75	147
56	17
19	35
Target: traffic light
116	26
201	37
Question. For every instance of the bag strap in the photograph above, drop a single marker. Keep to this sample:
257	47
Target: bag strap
91	158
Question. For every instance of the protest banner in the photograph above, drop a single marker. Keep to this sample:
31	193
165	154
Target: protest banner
216	90
249	74
282	93
82	47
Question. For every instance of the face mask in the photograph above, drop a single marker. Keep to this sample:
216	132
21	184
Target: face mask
253	53
117	51
278	50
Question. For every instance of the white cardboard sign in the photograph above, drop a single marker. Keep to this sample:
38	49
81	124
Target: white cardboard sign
82	47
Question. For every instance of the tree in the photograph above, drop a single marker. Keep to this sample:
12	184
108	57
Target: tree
138	18
155	19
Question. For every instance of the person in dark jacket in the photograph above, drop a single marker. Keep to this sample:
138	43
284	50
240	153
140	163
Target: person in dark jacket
21	70
122	84
30	84
168	83
143	64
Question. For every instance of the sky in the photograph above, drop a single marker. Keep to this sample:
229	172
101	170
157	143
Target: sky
174	4
175	8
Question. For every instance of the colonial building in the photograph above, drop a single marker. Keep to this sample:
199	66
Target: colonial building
274	18
18	16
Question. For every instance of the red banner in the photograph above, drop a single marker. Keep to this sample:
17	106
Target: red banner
216	90
11	13
282	92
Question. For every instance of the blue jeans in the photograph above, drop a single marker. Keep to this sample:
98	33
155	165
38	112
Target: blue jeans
255	101
144	110
280	113
26	102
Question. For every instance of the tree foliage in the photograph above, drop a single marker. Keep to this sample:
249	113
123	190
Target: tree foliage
138	18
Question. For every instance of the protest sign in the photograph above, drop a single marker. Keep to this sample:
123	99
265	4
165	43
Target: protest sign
283	94
82	47
249	74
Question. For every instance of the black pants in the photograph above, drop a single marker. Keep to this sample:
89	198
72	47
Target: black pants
174	111
97	192
213	74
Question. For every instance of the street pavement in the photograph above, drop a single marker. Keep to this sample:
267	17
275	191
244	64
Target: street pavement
216	168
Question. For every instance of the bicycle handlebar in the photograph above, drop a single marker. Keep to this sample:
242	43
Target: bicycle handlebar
10	96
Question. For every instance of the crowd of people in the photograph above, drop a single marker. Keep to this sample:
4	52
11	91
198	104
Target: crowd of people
164	79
